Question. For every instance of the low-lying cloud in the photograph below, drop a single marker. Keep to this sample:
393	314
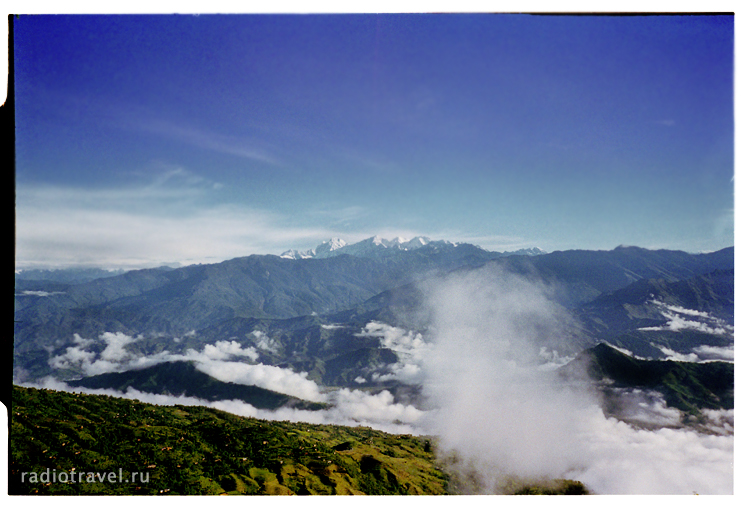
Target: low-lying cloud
503	415
40	293
496	413
409	346
680	318
348	407
225	360
229	361
700	354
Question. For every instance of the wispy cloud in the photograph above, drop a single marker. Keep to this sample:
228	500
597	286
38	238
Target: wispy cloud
679	318
166	220
666	122
227	144
177	175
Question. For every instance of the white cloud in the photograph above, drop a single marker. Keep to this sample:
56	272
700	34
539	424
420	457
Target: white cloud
409	346
349	408
264	342
702	321
622	350
142	227
379	408
682	310
700	354
619	459
716	353
666	122
81	342
236	146
217	360
223	350
116	342
488	399
277	379
720	421
331	326
676	356
646	407
73	357
172	218
111	358
504	416
552	359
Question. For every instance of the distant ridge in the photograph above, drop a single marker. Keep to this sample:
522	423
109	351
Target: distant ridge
188	307
686	386
377	246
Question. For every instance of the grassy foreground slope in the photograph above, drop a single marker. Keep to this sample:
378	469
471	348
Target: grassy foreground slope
149	449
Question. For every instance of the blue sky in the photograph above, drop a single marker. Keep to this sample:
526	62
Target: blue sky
144	140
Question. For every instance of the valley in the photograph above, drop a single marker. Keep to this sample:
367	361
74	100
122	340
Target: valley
391	338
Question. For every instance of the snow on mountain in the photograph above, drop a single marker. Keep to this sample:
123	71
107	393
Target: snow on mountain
377	246
329	246
368	247
532	251
294	254
324	250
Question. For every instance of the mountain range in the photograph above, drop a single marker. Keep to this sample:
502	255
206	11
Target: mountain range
688	387
201	299
310	316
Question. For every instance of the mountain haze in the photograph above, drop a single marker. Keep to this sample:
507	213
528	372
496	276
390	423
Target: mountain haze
202	303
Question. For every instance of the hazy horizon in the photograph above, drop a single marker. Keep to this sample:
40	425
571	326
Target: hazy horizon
176	264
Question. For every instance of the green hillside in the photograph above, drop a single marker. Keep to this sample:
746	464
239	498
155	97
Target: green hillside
195	450
79	444
688	387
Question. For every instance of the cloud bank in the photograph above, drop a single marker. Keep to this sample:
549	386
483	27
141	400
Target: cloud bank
229	361
144	226
225	360
498	414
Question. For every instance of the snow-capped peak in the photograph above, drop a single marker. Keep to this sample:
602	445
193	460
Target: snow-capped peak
293	254
377	246
377	240
531	251
373	245
330	246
